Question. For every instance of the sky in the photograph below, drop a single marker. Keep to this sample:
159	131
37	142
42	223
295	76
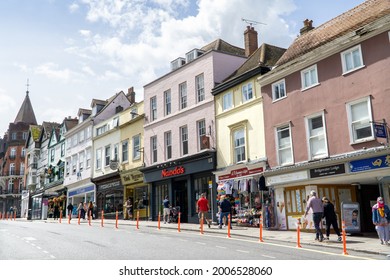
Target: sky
74	51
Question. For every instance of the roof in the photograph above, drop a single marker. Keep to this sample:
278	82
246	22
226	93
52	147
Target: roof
351	20
221	45
84	112
26	112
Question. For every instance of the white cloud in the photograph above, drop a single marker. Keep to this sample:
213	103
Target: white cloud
74	7
22	67
52	71
85	33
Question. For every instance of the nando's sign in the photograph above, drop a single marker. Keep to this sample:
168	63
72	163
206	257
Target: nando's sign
172	172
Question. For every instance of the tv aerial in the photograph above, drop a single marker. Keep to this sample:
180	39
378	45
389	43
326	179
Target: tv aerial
252	22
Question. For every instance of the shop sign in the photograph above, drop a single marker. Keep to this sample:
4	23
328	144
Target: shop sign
172	172
327	171
286	178
380	130
81	190
370	163
240	173
109	185
133	177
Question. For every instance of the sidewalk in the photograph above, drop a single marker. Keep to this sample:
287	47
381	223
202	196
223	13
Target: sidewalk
367	243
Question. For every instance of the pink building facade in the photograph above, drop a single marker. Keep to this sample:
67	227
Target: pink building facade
325	106
179	131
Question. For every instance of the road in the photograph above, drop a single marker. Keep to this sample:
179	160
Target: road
54	241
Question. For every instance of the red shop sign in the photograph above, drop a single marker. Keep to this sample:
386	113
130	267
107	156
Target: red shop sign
173	172
240	173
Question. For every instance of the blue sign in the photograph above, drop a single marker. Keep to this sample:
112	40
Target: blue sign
81	190
380	130
370	163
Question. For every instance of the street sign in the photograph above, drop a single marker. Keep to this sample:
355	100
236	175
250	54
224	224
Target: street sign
380	130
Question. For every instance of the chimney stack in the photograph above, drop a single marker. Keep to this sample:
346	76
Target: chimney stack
251	43
307	26
131	95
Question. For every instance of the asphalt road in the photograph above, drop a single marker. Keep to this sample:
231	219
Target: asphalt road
54	241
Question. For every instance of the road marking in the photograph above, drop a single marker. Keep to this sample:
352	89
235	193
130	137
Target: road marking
39	248
51	256
242	251
266	256
32	244
46	252
221	247
28	238
201	243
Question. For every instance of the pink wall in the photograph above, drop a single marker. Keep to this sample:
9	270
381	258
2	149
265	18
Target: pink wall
334	91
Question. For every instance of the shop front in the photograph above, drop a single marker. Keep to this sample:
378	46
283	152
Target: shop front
109	196
244	185
183	181
137	191
81	194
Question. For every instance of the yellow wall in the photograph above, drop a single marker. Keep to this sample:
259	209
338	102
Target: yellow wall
249	113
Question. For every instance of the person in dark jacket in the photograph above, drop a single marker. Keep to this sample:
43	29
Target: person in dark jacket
330	218
70	210
225	208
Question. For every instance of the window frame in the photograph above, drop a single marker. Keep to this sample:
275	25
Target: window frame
168	144
125	150
227	101
309	136
246	93
278	148
153	108
242	130
107	155
136	139
184	140
199	88
201	131
352	122
278	83
153	149
303	77
344	63
98	159
167	102
183	95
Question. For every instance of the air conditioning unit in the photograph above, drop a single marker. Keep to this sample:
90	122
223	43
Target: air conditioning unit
178	62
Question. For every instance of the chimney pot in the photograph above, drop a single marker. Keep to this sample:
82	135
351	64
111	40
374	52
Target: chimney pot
131	95
251	41
307	26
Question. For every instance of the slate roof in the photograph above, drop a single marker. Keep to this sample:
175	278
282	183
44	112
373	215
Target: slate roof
221	45
351	20
26	112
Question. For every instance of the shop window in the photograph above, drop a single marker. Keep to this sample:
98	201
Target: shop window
159	194
295	201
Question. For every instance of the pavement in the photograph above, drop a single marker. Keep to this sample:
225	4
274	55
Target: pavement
365	242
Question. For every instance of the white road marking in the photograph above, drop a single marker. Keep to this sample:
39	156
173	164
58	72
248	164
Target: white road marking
39	248
221	247
266	256
29	238
242	251
51	256
201	243
46	252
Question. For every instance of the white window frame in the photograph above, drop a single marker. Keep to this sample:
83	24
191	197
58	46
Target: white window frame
238	145
313	137
310	80
201	128
184	140
107	155
167	102
350	52
153	149
81	161
98	159
88	158
227	101
278	148
278	86
125	150
199	87
168	145
366	121
183	95
247	92
136	147
153	108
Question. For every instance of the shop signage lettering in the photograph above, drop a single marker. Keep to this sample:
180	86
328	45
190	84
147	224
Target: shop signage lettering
173	172
133	177
109	185
327	171
240	173
370	163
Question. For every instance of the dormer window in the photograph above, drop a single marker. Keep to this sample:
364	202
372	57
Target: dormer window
178	62
195	53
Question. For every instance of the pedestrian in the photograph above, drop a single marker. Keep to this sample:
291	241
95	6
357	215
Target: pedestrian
330	218
203	207
95	213
129	209
85	207
81	211
56	210
225	209
11	211
90	210
381	219
70	210
318	209
167	212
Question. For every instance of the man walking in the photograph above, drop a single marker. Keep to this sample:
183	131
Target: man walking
318	209
225	209
202	207
166	210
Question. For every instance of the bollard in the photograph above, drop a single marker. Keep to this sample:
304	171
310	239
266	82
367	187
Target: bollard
14	216
159	221
299	234
60	217
137	219
79	218
89	218
201	223
261	230
178	223
116	219
102	219
228	234
344	239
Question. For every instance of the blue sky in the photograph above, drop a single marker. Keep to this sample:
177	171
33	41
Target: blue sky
74	51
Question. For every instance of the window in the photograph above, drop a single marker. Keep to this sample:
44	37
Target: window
125	150
183	95
153	108
67	166
278	90
309	77
284	147
74	140
199	87
74	164
316	136
352	59
101	130
115	122
153	148
107	155
24	136
62	149
88	158
167	99
359	120
116	151
11	186
81	136
239	145
12	169
136	147
184	140
13	136
13	153
98	159
134	113
168	145
89	132
295	199
23	152
81	161
22	169
247	92
52	152
227	101
201	132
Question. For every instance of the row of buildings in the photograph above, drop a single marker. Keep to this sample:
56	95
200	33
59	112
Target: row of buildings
264	124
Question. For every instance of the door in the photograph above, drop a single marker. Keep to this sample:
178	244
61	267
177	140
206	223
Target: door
180	198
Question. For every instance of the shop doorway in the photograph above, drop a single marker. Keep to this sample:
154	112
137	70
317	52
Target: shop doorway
367	195
180	198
